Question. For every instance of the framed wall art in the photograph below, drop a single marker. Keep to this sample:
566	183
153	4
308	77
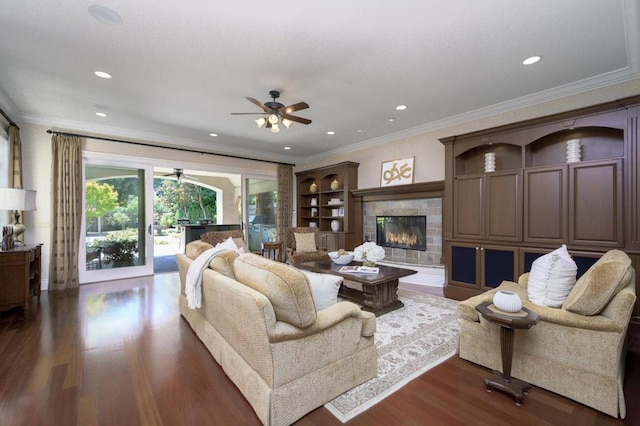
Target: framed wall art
397	172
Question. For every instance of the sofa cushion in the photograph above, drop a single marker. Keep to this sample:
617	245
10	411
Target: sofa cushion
599	284
551	278
286	287
305	242
196	248
223	263
324	288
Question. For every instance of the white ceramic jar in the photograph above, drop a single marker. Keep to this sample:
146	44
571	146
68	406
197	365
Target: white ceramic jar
507	301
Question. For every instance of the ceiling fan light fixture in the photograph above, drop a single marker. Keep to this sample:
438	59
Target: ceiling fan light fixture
273	118
261	122
275	128
287	123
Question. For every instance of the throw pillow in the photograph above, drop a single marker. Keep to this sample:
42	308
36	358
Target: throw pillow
223	262
551	278
324	288
228	244
305	241
286	287
241	245
196	248
595	289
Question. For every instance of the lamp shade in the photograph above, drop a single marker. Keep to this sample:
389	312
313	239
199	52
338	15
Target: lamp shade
17	199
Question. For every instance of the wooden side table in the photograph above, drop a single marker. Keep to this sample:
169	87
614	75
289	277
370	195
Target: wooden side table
503	380
20	277
273	251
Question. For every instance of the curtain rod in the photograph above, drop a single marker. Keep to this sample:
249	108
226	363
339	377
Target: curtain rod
11	122
167	147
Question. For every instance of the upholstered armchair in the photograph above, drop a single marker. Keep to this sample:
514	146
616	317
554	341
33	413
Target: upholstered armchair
577	350
302	247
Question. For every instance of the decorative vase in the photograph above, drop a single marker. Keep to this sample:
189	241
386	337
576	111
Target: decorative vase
335	225
335	185
507	301
490	162
574	151
313	187
314	201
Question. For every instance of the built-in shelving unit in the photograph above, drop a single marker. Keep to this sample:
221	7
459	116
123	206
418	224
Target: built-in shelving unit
497	222
324	200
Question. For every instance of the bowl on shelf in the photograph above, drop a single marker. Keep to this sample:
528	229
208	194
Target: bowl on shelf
341	259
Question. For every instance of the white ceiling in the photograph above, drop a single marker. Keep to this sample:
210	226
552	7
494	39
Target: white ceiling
180	68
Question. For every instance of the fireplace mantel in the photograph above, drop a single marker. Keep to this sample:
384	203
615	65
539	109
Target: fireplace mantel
402	192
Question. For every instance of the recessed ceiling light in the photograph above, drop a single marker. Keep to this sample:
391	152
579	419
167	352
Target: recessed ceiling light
102	74
392	119
101	114
359	130
287	148
105	15
401	107
531	60
213	135
331	132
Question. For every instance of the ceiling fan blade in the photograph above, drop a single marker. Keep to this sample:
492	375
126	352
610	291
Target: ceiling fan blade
189	177
295	107
296	119
260	104
248	113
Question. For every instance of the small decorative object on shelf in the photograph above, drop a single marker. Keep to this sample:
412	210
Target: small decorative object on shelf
490	162
507	301
313	224
335	185
314	212
369	253
313	187
314	201
335	225
574	151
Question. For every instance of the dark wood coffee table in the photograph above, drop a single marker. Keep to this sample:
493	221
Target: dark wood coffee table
503	380
379	291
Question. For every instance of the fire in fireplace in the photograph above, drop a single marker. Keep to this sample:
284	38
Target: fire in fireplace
407	232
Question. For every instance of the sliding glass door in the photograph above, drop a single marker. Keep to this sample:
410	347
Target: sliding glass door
262	201
117	231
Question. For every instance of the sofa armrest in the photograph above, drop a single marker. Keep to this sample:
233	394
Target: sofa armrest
523	280
326	318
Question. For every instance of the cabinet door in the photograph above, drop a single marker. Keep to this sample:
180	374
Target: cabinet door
467	207
14	269
503	201
595	203
465	264
499	263
330	241
545	205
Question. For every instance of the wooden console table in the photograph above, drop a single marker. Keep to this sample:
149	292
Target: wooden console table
503	381
20	276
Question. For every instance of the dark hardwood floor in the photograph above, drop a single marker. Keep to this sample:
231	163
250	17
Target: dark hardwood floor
118	353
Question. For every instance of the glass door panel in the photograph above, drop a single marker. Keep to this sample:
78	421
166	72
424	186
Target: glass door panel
117	233
262	200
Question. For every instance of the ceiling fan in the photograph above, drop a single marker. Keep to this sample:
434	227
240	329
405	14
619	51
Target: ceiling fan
276	113
179	174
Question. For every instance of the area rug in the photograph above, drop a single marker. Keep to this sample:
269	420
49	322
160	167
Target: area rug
409	341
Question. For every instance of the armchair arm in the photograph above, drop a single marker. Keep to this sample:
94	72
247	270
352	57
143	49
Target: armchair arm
326	318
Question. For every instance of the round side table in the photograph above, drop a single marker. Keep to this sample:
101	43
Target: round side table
503	380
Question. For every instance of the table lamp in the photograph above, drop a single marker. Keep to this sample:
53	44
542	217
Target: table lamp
17	200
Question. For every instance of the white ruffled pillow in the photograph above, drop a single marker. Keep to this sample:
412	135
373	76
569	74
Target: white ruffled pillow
324	288
230	244
551	278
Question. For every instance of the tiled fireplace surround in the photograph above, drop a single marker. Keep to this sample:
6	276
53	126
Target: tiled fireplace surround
431	207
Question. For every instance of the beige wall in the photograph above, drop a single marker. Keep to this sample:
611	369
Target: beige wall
425	147
36	150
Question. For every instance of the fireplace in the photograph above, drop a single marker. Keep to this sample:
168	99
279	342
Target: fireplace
406	232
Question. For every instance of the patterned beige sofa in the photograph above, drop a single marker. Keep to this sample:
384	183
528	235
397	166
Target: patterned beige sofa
259	321
577	351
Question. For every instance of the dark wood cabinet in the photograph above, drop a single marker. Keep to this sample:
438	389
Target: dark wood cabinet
324	199
20	277
538	197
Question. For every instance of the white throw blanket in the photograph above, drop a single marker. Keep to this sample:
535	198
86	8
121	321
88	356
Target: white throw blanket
193	284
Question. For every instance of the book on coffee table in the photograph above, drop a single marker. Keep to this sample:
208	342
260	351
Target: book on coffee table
360	269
